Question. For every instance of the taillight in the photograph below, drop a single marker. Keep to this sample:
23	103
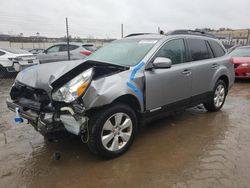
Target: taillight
15	59
87	53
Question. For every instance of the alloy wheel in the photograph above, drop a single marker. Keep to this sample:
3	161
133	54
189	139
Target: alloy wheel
116	131
219	95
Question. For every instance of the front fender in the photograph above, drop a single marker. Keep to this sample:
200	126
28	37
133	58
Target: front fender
105	90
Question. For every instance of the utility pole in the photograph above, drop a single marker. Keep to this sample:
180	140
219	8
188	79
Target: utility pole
159	30
248	35
67	30
122	30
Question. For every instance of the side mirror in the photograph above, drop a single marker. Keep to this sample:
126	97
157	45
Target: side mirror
44	51
162	63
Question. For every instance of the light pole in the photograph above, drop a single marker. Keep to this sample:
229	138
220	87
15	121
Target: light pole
248	35
67	32
122	30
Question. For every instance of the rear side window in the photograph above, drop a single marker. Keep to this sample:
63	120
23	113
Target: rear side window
64	48
89	47
217	49
198	49
73	47
174	50
1	53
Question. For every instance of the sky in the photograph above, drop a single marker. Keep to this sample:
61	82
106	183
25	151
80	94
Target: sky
103	18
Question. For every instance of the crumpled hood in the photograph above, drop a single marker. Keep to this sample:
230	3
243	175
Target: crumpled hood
41	76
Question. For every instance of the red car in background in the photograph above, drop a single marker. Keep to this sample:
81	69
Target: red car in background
241	60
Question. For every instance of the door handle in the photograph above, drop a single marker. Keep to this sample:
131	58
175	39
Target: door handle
215	66
186	72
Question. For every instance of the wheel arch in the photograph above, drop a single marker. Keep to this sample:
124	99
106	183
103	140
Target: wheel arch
129	100
221	74
225	79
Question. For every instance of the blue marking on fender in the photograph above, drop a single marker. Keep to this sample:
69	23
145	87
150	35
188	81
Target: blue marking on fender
136	69
138	93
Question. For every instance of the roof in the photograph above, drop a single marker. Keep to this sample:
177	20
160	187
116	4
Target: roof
75	43
191	32
145	36
183	33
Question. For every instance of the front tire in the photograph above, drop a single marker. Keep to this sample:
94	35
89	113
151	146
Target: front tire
112	130
217	99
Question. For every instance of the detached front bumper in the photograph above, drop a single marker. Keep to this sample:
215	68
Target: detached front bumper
27	114
52	122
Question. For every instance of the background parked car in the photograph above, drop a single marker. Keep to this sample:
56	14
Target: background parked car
233	48
36	50
15	60
58	52
241	61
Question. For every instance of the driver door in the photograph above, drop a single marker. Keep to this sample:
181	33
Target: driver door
169	87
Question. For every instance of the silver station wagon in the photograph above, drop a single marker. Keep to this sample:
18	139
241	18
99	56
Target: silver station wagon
105	98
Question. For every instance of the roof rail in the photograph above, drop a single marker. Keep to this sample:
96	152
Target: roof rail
191	32
136	34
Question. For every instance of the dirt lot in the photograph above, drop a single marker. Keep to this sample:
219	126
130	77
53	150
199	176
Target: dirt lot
195	149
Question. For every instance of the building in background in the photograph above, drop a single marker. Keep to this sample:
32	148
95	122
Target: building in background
19	41
232	37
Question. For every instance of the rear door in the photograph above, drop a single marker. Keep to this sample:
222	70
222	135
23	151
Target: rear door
62	55
203	66
170	86
49	55
63	52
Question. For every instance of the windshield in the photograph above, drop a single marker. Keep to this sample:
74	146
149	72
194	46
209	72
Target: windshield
16	50
241	52
127	52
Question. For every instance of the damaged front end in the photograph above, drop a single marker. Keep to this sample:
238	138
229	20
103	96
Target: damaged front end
60	107
35	106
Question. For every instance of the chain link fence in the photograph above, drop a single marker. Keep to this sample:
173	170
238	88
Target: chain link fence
7	73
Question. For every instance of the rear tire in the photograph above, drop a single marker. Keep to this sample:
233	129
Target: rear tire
218	97
112	130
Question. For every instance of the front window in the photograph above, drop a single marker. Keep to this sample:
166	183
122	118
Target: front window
128	52
174	50
240	52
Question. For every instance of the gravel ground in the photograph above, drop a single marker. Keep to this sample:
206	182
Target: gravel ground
194	149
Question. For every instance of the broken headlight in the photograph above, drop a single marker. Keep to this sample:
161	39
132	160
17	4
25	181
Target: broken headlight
74	88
